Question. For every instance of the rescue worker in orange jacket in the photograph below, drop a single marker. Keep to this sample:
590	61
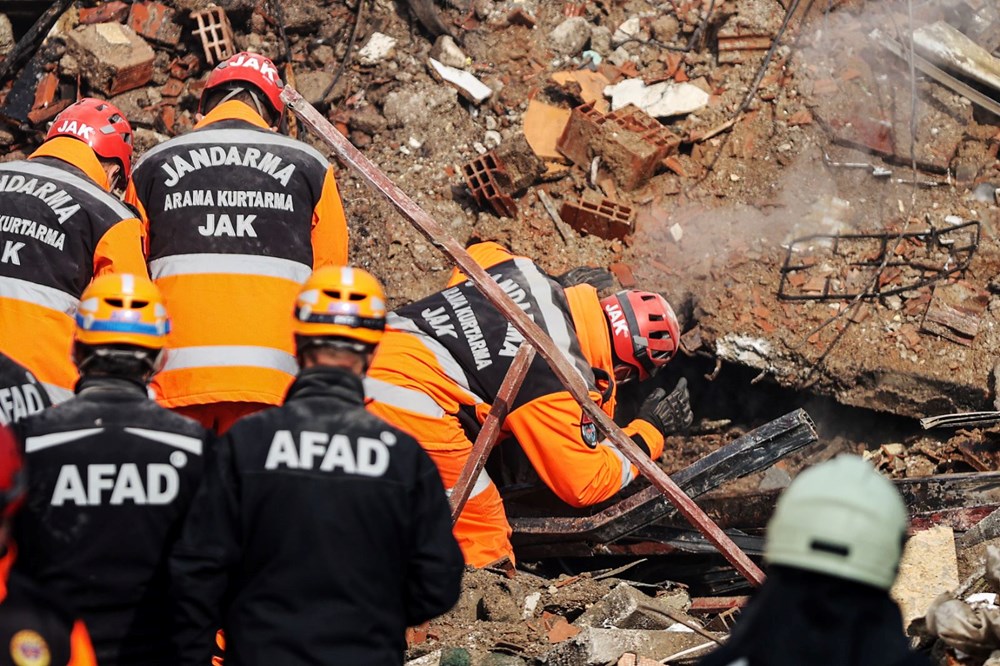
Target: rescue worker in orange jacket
238	216
443	358
59	228
111	475
35	627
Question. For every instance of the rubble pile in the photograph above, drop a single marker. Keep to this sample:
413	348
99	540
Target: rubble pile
824	223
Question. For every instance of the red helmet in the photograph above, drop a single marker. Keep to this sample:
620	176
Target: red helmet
644	332
13	481
250	68
101	126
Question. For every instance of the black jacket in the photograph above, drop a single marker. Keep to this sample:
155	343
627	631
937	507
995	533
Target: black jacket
20	393
801	618
36	627
321	534
111	475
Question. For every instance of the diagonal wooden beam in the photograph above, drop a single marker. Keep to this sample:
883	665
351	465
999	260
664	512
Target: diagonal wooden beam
571	379
490	432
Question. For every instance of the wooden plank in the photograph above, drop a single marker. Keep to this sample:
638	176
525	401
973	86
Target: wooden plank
567	374
492	427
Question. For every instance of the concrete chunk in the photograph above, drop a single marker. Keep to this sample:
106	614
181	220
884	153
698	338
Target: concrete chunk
597	647
627	608
112	57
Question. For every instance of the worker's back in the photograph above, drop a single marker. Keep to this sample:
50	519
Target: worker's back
316	532
111	475
20	392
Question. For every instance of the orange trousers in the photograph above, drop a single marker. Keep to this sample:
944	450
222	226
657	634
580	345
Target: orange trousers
220	416
482	530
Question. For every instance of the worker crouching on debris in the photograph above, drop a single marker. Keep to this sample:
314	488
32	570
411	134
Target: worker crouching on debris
322	532
59	228
111	476
444	358
833	549
238	217
34	626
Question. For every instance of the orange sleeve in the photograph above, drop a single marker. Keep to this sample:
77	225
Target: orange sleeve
81	650
132	198
120	250
550	432
329	230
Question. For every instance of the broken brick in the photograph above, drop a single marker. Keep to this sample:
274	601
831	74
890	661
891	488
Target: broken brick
112	57
598	216
155	22
580	132
624	274
802	117
172	88
520	17
183	68
481	178
215	32
109	11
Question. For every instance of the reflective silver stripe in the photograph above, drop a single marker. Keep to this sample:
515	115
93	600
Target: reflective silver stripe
189	444
47	297
240	138
231	264
39	442
627	474
483	482
443	357
553	318
403	398
183	358
57	394
88	186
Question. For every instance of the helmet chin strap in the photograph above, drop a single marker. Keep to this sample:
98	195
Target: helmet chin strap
250	91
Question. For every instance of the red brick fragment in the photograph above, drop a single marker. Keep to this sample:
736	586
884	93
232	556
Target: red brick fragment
596	215
172	88
626	278
109	11
481	178
155	22
183	68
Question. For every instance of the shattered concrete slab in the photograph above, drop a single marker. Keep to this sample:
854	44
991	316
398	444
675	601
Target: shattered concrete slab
112	57
942	44
597	647
929	567
628	608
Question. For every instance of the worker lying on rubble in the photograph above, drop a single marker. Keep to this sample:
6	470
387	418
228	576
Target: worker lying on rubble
833	549
111	475
35	627
60	227
238	216
322	532
444	357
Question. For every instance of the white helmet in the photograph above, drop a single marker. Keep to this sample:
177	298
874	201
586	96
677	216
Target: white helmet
840	518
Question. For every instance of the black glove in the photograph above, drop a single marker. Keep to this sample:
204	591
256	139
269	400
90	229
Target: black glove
668	413
598	278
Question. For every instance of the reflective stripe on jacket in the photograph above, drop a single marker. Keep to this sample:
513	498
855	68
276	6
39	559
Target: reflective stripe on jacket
59	228
238	217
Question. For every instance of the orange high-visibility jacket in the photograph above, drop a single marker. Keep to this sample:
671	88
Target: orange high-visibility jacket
238	217
446	355
59	228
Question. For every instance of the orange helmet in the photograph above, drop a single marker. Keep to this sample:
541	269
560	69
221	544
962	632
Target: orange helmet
249	68
122	309
13	484
341	302
101	126
644	332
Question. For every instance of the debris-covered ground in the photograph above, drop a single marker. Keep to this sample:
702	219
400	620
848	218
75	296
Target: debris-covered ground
818	203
